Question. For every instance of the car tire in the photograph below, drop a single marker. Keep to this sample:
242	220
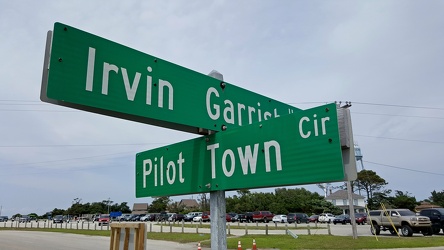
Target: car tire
375	230
406	230
427	232
298	221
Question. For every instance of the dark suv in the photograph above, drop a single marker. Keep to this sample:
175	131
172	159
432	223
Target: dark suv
297	218
436	216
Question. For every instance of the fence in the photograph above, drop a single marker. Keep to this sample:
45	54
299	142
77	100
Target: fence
181	227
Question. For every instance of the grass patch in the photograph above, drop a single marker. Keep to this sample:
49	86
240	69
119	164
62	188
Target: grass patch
286	242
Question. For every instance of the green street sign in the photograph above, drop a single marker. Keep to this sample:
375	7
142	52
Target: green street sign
300	148
90	73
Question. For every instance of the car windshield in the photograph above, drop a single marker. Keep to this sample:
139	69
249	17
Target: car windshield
406	213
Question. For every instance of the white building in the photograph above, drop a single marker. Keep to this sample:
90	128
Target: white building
340	199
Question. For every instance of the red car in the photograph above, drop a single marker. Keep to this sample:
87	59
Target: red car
361	218
313	218
103	219
264	216
205	216
228	217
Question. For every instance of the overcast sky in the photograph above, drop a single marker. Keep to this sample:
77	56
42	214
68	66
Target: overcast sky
386	57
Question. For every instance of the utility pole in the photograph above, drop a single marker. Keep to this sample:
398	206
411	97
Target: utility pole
218	206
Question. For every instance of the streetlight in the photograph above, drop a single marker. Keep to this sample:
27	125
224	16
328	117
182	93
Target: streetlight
108	204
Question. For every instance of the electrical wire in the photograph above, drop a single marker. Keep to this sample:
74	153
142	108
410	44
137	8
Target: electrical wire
400	139
81	145
407	169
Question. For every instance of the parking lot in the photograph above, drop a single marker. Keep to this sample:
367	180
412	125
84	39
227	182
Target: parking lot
233	228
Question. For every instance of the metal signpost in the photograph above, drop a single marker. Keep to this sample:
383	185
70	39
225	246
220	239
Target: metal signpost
87	72
262	143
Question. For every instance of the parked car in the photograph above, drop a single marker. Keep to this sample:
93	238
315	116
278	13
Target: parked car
313	218
125	217
264	216
189	216
228	217
198	217
177	217
249	216
152	217
135	217
144	217
3	218
103	219
297	218
326	217
234	217
163	216
241	217
343	219
58	219
436	216
206	216
282	218
24	219
361	218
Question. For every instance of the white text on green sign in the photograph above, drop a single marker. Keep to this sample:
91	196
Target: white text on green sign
296	149
94	74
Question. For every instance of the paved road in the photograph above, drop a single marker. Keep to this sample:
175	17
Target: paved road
26	240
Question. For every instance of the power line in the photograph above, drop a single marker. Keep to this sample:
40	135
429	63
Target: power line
3	100
38	110
65	160
407	169
373	104
80	145
412	116
400	139
57	171
397	105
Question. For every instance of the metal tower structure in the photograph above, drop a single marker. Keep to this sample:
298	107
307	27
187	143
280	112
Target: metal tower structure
358	155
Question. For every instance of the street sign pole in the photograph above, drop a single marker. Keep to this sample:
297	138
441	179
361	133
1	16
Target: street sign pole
218	207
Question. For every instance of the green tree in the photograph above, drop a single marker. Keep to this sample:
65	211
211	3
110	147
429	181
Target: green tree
122	207
378	198
159	204
57	211
437	198
369	182
204	200
404	200
175	207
